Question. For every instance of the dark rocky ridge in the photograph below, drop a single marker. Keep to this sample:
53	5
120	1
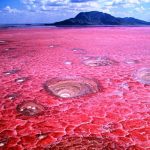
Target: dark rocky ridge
99	18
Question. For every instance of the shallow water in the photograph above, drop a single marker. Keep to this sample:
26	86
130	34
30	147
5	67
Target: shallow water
86	106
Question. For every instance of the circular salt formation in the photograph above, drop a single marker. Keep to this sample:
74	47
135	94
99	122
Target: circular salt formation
3	142
79	51
2	42
131	61
30	108
51	46
99	61
21	79
10	72
12	96
69	88
68	63
143	75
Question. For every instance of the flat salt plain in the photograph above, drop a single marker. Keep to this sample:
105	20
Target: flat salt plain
116	117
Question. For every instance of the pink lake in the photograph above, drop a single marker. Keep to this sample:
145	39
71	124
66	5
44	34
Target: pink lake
108	110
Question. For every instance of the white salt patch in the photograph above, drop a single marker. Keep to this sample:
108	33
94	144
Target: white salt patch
68	63
65	95
51	46
2	144
29	107
20	80
2	41
131	61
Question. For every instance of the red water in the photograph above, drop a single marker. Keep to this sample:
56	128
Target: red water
115	118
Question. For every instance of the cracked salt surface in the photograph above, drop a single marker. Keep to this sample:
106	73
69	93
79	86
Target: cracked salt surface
91	121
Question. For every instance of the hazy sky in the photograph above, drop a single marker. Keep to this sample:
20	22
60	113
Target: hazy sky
47	11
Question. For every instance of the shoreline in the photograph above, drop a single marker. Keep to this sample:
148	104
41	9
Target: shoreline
63	26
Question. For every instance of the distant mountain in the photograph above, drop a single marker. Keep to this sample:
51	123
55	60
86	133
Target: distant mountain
99	18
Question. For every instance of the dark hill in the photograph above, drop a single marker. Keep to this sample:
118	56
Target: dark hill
99	18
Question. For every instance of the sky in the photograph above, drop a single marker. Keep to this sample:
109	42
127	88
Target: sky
49	11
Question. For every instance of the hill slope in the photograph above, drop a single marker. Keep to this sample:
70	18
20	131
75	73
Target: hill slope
100	18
